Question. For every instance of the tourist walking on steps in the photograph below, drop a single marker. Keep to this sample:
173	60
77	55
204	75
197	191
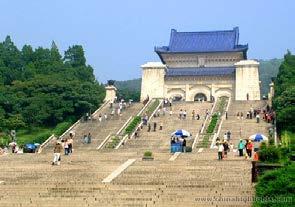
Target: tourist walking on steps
184	114
228	135
241	147
257	118
149	127
56	152
85	139
220	150
70	145
66	146
184	145
155	126
89	137
180	114
193	114
170	112
225	148
249	148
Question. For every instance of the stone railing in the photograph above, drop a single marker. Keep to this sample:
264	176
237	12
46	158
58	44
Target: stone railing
116	134
44	144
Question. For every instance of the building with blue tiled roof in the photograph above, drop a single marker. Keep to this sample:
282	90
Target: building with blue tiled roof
202	66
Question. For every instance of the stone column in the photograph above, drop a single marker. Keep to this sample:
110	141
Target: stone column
271	93
247	80
152	84
110	93
187	93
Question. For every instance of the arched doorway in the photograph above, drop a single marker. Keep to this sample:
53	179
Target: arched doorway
200	97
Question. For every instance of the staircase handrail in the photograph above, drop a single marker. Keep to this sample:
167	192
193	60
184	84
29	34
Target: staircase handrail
45	143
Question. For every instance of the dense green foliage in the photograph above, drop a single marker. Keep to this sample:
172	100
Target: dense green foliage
284	101
129	89
276	188
270	154
132	125
278	185
40	88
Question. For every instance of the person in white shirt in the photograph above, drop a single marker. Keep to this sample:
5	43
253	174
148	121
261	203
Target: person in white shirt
220	151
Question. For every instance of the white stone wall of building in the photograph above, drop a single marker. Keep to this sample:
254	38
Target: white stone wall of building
247	80
189	87
200	60
152	84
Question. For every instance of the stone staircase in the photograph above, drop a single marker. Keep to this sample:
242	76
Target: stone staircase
100	130
159	141
193	179
246	127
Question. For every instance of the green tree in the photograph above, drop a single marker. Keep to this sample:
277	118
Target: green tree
75	56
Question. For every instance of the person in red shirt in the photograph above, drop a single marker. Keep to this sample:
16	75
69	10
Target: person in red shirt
249	148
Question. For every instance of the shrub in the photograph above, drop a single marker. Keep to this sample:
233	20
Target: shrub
4	141
277	185
148	154
62	127
188	149
270	154
263	146
132	125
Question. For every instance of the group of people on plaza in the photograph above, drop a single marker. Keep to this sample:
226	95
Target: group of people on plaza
179	141
245	147
65	145
268	114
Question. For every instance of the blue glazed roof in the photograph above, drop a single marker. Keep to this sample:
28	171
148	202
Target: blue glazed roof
204	71
211	41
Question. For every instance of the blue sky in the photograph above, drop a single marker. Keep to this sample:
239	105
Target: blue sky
119	36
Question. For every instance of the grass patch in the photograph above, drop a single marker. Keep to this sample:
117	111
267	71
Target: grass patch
152	107
113	142
212	124
132	125
36	134
205	142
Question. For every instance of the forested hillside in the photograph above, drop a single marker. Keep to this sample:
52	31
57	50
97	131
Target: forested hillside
41	88
267	70
129	89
